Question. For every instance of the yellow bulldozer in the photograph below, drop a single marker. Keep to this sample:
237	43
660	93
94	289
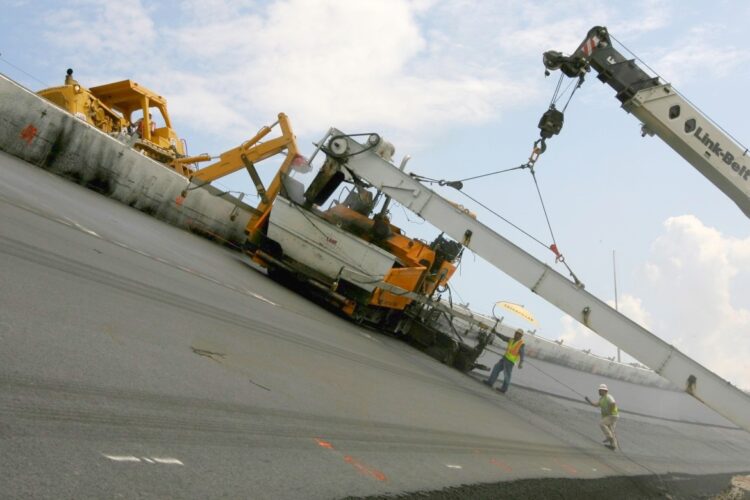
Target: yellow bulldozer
126	110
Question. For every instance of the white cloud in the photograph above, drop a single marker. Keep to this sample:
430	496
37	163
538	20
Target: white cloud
563	35
632	307
697	279
652	15
194	99
579	337
411	67
574	334
695	284
89	27
376	64
211	11
705	52
357	63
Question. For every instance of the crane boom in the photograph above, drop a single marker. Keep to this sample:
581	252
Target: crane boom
663	112
361	161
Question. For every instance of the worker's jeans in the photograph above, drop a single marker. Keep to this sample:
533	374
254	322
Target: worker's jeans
507	366
608	427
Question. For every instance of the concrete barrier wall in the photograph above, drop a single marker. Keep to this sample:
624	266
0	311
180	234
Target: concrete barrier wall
40	133
547	350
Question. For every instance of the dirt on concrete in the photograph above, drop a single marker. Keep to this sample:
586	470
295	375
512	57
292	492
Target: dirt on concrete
738	490
666	486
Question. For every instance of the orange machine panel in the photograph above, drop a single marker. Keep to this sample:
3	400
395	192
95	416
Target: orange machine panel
407	278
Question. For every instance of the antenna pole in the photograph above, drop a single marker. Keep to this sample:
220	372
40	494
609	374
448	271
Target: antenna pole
614	275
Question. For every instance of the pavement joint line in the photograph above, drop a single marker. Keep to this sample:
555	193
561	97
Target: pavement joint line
262	298
546	469
122	458
259	385
167	460
149	460
71	223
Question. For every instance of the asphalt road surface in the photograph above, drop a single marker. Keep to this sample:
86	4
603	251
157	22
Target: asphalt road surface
140	361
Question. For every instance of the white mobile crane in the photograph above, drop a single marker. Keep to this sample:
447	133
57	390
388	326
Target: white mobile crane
663	112
360	161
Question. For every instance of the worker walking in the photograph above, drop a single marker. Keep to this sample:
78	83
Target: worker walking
610	414
514	353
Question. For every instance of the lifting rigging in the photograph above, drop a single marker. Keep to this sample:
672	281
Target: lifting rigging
661	109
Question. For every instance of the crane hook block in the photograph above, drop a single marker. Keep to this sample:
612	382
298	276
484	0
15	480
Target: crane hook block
551	122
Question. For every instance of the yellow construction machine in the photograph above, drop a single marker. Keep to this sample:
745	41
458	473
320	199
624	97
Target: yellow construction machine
344	252
126	110
414	257
246	155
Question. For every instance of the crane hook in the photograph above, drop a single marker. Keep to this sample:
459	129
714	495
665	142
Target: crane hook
539	147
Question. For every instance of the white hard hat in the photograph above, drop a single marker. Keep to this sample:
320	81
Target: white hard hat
603	387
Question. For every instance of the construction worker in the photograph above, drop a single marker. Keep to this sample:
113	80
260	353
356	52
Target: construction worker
514	353
610	413
138	125
69	80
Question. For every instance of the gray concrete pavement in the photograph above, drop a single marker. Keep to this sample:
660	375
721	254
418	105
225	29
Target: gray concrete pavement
142	361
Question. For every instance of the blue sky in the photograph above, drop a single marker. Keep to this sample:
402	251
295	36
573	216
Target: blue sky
460	87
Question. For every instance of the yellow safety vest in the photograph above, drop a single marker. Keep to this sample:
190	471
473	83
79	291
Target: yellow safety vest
513	351
604	406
